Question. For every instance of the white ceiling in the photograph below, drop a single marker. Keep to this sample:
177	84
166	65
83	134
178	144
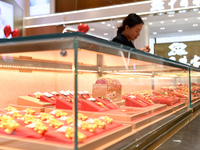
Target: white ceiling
178	24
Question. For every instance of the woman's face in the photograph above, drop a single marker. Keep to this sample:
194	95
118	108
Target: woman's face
133	32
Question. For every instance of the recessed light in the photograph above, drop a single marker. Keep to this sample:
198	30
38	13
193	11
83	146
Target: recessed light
182	11
170	15
162	28
108	25
170	12
160	14
119	21
154	33
92	29
162	22
180	30
144	18
198	18
150	23
195	25
186	19
113	27
195	9
105	34
173	20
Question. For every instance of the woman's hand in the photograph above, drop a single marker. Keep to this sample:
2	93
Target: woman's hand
145	49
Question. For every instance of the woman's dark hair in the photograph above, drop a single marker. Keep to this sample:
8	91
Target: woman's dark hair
131	20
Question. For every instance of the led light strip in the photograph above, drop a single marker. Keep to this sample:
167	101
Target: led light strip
40	68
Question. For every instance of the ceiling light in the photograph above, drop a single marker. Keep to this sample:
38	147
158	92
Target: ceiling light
160	13
108	25
113	27
199	12
144	18
195	25
150	23
162	22
195	9
119	21
102	22
162	28
182	11
186	19
173	20
105	34
170	15
180	30
198	18
171	12
92	29
154	33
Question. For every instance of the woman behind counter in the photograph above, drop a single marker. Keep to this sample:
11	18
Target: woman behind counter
129	31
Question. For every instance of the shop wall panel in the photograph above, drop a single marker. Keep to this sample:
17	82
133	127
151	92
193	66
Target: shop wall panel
44	30
69	5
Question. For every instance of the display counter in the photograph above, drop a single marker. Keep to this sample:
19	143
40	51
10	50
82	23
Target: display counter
75	91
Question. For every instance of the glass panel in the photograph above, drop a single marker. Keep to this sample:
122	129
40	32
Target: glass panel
195	86
37	83
129	87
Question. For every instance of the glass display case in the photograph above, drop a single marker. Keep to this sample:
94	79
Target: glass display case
75	91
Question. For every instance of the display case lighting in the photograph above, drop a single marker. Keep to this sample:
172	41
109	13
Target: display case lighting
164	78
171	75
87	71
37	68
133	73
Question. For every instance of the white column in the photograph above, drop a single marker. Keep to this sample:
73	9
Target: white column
143	39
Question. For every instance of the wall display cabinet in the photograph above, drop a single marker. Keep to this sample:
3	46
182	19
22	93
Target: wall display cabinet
74	91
